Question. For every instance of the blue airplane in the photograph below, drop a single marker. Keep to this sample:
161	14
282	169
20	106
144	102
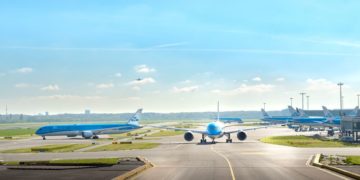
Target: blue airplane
213	130
275	119
88	131
336	120
331	119
304	119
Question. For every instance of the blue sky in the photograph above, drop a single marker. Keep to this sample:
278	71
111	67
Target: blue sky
67	56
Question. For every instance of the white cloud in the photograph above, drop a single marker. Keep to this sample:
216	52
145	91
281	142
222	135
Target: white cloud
185	89
144	81
321	85
144	69
167	45
280	79
136	88
119	75
244	88
22	85
105	86
24	70
51	87
256	79
68	97
186	81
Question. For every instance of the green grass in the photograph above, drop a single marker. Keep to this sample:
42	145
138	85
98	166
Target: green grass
49	148
305	141
101	161
116	147
166	133
354	160
17	132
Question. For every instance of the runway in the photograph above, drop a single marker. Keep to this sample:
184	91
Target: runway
177	159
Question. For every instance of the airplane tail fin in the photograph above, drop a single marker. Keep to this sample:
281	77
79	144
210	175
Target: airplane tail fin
134	120
302	112
327	113
218	111
293	112
355	111
265	114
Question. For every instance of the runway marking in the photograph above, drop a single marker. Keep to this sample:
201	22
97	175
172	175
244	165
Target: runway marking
227	160
177	146
324	170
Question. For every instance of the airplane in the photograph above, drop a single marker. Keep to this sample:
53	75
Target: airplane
213	130
275	119
230	120
305	119
88	131
336	120
331	119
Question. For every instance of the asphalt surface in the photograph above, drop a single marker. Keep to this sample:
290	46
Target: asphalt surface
68	172
177	159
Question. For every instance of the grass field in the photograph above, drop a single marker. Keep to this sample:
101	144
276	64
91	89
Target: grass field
78	162
305	141
49	148
116	147
166	133
17	132
354	160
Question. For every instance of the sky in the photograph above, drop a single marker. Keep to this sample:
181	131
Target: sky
175	56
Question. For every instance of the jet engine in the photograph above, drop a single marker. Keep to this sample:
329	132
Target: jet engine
188	136
87	134
241	135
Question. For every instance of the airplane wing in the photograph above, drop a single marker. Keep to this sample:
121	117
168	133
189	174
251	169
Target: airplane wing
100	131
246	129
181	129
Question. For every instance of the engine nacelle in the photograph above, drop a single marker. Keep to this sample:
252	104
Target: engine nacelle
87	134
188	136
241	135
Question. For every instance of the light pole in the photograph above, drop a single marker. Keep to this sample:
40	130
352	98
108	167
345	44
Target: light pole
264	106
291	101
302	100
340	84
307	100
358	99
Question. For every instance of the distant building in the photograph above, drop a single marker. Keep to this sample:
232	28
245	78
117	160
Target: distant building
46	113
87	111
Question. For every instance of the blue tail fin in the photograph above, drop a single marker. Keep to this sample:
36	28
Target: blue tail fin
265	114
327	113
134	120
293	112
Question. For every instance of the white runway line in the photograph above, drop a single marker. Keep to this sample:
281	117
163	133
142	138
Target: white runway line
227	160
324	170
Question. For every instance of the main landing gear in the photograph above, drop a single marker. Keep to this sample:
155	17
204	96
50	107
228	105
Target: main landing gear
228	140
44	138
202	140
95	137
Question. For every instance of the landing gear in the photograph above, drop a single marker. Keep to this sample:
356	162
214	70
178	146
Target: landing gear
213	141
228	140
202	140
44	138
95	137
